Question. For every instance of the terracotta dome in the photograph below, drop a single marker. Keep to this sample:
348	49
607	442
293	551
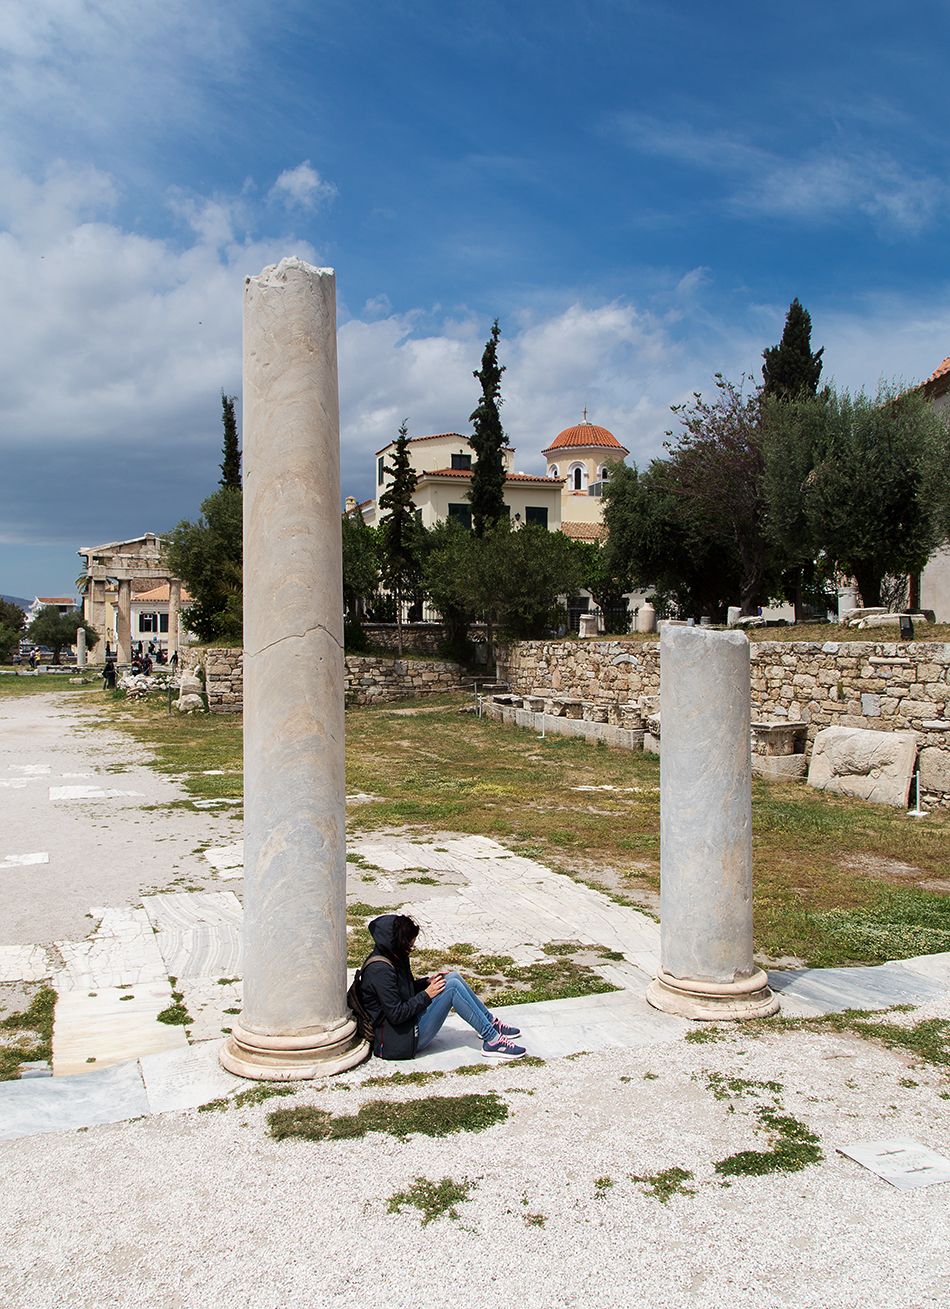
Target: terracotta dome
585	436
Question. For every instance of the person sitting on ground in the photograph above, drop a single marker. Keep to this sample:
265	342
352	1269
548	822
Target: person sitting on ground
408	1011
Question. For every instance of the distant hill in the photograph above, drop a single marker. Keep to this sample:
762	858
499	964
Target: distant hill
17	600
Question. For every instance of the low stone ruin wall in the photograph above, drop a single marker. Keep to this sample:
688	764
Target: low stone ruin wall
368	678
420	638
883	686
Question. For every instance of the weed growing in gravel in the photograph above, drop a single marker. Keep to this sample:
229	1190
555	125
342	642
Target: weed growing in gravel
473	1070
707	1033
38	1019
794	1147
437	1115
602	1185
418	1078
432	1199
534	1220
176	1014
669	1182
928	1039
726	1088
253	1095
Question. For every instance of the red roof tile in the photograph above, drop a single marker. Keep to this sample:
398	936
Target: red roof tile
467	472
586	436
584	531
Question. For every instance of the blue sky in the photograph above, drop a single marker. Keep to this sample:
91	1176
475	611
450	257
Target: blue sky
636	190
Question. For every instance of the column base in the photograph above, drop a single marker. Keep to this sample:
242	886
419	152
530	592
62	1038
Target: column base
293	1058
713	1001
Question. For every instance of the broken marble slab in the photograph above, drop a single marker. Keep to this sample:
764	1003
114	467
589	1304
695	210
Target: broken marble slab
24	860
61	1104
207	1000
903	1162
111	1026
31	770
183	1079
198	934
228	860
832	990
24	963
122	950
855	761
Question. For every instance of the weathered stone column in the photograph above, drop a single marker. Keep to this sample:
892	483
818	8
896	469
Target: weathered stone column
80	647
706	830
174	605
123	627
295	1022
96	613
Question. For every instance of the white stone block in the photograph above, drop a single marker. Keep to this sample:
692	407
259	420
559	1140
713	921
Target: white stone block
868	765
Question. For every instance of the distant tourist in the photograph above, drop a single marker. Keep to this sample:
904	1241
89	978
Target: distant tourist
33	660
174	662
407	1012
108	676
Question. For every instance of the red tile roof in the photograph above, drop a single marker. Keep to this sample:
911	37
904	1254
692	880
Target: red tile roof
437	436
939	371
939	380
586	436
56	600
511	477
584	531
159	594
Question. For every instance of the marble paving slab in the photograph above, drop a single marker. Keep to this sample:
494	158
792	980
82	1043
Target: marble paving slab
206	1001
183	910
14	783
61	1104
111	1026
934	966
183	1079
903	1162
31	770
24	860
831	990
122	950
202	952
24	963
226	857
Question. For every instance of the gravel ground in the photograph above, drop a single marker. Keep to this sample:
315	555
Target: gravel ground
206	1209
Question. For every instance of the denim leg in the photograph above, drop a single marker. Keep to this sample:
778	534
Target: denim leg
460	997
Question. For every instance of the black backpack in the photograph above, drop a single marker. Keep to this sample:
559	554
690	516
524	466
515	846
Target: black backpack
354	998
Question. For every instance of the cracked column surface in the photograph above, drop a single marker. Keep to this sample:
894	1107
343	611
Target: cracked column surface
295	1022
707	970
174	608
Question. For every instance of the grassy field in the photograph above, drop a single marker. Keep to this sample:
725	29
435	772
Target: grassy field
836	880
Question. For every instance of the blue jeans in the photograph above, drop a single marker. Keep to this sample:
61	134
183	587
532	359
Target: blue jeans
460	997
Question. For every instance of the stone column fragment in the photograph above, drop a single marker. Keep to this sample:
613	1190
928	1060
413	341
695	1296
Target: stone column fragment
295	1022
174	605
707	969
123	631
80	647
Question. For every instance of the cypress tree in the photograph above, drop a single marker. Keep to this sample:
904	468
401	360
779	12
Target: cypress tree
398	524
488	440
790	369
231	464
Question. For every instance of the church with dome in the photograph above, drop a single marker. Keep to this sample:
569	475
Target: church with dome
567	498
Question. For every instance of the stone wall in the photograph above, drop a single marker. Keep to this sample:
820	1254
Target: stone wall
368	678
420	638
882	685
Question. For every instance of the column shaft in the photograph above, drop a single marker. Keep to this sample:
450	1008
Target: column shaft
295	1021
123	634
174	605
706	829
80	647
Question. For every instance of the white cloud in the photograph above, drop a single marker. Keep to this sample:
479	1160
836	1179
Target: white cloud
302	186
817	186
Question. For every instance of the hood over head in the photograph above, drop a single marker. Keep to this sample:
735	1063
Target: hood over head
381	930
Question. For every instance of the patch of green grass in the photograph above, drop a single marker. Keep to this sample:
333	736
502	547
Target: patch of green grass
36	1025
902	923
176	1015
706	1034
669	1182
555	981
422	881
436	1115
473	1070
793	1147
729	1088
432	1199
253	1095
928	1039
419	1078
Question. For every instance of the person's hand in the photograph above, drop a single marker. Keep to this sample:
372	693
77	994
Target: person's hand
436	985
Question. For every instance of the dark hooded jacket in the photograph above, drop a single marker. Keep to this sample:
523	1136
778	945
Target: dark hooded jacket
394	999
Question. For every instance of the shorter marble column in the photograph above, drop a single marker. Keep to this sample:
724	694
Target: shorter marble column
174	605
123	629
646	619
707	969
80	647
96	614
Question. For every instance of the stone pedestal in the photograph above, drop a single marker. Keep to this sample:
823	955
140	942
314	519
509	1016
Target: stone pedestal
587	626
646	619
80	647
174	605
295	1022
123	619
706	830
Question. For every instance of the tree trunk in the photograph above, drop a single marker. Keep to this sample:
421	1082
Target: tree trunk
799	602
868	578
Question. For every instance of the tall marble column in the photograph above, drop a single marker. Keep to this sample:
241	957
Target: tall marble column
174	606
96	613
123	628
706	969
80	647
295	1022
